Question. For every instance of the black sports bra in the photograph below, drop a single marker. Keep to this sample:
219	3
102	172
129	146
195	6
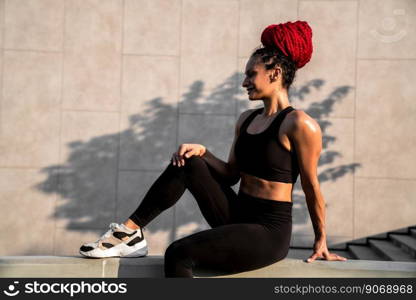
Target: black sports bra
262	154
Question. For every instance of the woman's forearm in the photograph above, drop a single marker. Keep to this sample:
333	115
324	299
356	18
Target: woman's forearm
221	167
316	207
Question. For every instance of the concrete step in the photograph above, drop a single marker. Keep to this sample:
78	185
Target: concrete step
380	236
405	242
364	252
152	267
413	232
390	251
385	235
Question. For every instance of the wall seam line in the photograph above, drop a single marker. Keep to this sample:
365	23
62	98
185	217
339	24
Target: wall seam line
355	115
58	183
119	108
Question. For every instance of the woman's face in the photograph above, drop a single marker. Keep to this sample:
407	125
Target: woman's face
257	80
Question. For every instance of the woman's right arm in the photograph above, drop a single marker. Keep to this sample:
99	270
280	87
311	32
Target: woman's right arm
229	171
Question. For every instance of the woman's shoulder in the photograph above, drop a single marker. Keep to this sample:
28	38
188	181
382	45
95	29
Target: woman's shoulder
244	115
249	111
299	119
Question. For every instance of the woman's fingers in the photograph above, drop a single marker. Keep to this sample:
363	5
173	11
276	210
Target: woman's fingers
334	256
326	256
185	151
177	160
337	257
312	257
182	149
341	258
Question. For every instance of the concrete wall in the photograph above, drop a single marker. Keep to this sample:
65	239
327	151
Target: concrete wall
97	95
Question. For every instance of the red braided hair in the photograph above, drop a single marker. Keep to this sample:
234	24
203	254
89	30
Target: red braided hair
292	39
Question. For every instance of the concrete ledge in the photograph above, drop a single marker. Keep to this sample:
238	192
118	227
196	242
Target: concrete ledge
152	267
330	269
80	267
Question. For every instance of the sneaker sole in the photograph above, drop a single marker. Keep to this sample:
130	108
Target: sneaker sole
120	250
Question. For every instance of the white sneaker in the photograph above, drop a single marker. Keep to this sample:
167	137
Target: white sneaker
118	241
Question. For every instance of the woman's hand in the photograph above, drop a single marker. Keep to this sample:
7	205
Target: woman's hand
320	250
186	151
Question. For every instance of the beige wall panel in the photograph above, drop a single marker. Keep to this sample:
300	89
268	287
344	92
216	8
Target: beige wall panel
92	63
387	29
152	27
30	109
383	205
208	61
34	25
27	215
385	124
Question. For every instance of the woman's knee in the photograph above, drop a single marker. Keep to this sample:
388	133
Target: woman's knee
194	162
194	167
177	260
176	250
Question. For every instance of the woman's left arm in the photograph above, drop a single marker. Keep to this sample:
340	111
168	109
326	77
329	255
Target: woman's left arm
306	136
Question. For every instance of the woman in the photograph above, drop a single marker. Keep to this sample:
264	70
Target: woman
271	147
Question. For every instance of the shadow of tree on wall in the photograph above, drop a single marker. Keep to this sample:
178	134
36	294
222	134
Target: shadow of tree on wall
86	182
318	111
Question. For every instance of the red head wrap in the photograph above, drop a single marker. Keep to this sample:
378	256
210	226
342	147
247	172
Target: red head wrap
293	39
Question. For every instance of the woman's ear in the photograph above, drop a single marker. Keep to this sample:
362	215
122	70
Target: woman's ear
274	75
278	71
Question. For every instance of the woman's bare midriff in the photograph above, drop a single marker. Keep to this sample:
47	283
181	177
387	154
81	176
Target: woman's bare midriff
259	187
272	190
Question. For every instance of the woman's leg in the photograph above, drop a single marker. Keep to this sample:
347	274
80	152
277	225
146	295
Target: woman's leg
214	197
230	248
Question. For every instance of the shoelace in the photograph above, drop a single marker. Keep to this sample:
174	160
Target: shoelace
112	227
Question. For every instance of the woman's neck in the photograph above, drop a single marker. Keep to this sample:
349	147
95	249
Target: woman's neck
275	104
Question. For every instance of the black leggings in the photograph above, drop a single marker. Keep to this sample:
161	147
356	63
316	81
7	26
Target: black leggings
247	232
